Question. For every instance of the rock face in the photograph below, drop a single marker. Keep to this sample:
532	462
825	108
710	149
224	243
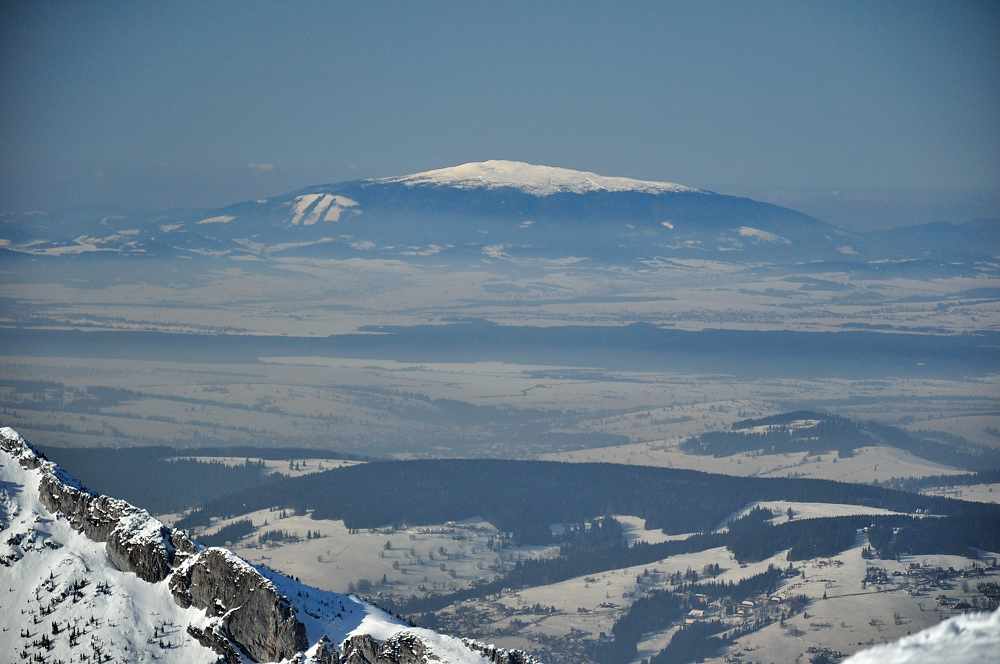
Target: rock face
136	542
500	655
253	616
402	648
324	653
253	613
408	648
216	642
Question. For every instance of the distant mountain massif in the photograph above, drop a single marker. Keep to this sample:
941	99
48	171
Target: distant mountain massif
93	579
493	210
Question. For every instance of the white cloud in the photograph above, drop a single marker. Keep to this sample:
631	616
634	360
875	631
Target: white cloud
263	168
495	251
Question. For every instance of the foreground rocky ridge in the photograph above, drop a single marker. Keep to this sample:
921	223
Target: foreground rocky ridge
243	613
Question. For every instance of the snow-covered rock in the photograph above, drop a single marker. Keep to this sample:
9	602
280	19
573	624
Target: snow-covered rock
84	574
970	638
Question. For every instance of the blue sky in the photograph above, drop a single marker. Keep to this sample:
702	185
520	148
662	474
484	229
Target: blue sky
865	114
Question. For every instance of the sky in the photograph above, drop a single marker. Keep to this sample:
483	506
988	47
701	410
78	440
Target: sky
864	114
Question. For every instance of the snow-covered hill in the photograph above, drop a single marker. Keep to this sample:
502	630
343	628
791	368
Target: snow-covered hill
87	578
492	210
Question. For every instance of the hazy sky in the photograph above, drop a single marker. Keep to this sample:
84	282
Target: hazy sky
865	114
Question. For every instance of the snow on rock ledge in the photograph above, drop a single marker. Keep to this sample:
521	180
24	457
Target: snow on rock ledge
136	542
252	612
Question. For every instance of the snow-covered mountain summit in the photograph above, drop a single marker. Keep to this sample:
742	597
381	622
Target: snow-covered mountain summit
532	179
495	211
88	578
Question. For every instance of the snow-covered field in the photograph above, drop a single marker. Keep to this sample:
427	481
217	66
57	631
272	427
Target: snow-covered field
292	468
634	530
980	493
844	616
423	558
331	296
412	562
605	596
868	463
801	511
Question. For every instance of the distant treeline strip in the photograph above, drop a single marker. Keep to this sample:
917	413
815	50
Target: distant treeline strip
230	533
612	347
838	434
525	497
93	399
149	477
954	535
694	643
915	484
270	453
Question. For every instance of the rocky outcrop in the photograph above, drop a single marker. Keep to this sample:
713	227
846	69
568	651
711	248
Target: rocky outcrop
135	541
253	616
361	649
500	655
217	643
323	653
253	613
401	648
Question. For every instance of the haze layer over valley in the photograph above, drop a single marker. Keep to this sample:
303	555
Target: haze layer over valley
568	324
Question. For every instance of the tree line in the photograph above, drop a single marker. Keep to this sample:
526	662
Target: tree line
842	435
524	498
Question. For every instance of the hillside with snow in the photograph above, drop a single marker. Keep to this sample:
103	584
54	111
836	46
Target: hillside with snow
508	211
91	579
